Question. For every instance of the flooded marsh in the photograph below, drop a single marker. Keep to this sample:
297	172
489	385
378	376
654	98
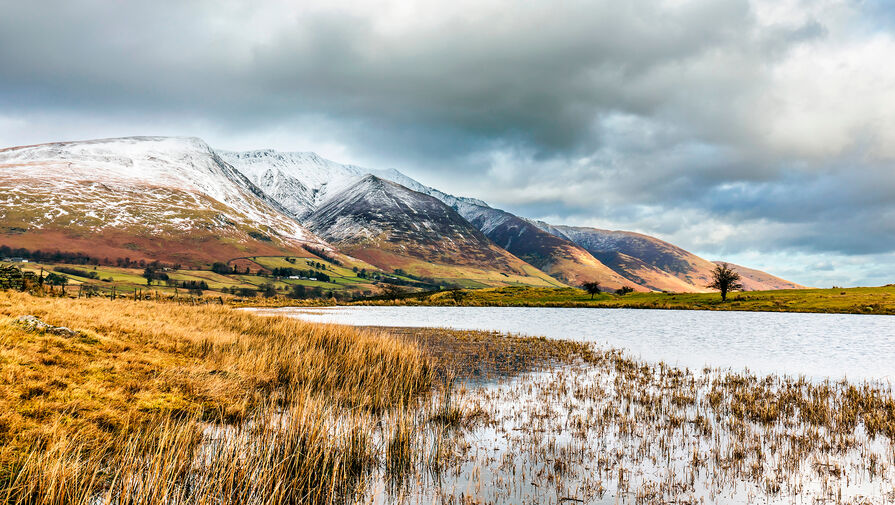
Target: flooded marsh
615	429
211	405
573	422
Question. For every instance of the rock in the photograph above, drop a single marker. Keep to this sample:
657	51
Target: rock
34	324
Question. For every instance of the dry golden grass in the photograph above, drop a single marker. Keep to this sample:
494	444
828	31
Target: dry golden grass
125	402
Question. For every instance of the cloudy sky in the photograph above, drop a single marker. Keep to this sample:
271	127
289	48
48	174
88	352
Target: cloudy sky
762	132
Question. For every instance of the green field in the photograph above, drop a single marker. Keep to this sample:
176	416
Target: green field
125	281
343	282
345	285
877	300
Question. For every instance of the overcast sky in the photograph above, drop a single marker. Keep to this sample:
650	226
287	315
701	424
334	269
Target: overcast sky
761	132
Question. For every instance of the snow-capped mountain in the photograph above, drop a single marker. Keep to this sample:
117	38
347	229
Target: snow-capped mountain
177	199
140	193
302	181
391	226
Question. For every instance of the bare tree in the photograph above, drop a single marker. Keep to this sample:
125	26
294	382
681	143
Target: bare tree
725	280
592	288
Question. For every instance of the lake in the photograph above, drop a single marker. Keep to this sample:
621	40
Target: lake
818	346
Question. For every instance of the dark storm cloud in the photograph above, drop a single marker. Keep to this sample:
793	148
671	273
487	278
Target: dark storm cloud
721	125
541	75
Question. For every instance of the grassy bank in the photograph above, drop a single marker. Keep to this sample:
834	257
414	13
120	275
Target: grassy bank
876	300
125	407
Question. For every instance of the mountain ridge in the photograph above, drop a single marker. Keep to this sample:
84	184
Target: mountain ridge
560	258
140	195
394	227
151	194
667	267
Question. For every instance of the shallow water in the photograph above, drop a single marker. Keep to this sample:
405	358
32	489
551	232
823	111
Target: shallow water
818	346
588	435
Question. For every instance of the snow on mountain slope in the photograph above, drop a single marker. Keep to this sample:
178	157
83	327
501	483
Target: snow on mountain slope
177	198
301	181
391	226
158	189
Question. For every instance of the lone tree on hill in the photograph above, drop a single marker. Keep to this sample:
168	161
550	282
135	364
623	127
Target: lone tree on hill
725	280
592	288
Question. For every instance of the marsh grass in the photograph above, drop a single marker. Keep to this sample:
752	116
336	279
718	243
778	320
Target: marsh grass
473	357
160	403
618	429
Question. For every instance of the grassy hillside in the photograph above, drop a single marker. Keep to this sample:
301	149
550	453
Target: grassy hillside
124	281
250	275
876	300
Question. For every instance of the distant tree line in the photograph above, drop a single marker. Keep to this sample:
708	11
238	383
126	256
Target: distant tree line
48	256
243	292
300	292
54	279
321	253
74	258
225	269
295	272
363	274
194	287
422	282
155	272
221	268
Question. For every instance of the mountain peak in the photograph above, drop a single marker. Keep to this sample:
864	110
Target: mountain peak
142	190
391	226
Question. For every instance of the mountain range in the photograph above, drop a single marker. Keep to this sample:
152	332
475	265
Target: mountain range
179	200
